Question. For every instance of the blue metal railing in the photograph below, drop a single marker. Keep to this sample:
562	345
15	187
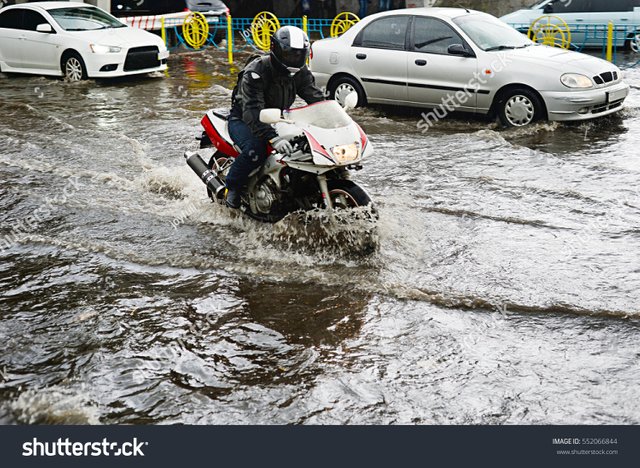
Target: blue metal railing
241	28
595	36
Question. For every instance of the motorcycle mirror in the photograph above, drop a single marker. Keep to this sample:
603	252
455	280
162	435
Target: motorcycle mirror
270	116
351	101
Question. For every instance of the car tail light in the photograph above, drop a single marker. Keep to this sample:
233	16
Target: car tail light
311	52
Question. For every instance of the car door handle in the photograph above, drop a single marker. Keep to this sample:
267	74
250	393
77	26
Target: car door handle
361	56
421	63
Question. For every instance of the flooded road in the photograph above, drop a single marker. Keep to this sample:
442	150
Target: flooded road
506	286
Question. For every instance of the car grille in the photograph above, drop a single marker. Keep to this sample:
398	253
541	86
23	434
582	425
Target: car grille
140	58
606	77
606	107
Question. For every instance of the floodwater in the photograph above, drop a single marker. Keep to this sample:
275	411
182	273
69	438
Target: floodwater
505	288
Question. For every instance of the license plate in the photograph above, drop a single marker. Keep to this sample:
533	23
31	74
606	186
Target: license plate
163	55
616	95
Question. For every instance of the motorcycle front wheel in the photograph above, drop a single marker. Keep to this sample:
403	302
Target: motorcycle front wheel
347	194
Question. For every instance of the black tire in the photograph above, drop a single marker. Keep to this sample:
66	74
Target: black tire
342	86
346	194
519	107
73	67
632	43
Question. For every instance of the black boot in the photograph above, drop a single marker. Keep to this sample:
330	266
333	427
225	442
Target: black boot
234	198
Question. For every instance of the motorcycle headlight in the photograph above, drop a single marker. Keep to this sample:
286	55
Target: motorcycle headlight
575	80
346	153
103	49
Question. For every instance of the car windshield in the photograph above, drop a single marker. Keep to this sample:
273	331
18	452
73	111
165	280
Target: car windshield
490	33
84	19
326	114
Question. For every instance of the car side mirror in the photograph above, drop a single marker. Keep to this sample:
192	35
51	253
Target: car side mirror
548	8
458	49
270	116
44	28
351	101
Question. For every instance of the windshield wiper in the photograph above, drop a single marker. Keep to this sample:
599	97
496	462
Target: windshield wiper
506	47
500	47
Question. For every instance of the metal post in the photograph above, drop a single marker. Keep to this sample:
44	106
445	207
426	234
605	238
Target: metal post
230	38
305	25
610	42
164	31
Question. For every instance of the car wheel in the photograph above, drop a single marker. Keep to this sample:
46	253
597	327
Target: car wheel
632	43
341	87
73	67
519	107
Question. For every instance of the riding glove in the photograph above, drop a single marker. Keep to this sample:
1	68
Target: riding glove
282	146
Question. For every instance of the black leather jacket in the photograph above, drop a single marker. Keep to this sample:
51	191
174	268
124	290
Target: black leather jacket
262	86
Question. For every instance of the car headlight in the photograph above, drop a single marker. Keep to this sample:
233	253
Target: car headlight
103	49
575	80
346	153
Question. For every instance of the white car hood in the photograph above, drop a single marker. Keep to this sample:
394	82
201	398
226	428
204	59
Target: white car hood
121	37
560	59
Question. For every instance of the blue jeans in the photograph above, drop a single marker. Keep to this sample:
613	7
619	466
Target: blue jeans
363	8
384	5
253	155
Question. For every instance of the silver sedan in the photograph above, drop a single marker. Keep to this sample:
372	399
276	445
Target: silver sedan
452	59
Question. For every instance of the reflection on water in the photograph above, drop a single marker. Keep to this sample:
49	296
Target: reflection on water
499	286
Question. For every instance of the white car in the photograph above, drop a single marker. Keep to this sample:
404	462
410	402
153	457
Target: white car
582	16
456	59
75	40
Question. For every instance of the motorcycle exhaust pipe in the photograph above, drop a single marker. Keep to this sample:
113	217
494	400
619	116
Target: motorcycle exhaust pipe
210	178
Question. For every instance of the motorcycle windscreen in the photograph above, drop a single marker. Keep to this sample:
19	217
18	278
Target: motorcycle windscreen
325	114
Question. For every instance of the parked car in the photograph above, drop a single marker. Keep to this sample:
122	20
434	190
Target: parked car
430	57
210	8
580	13
75	40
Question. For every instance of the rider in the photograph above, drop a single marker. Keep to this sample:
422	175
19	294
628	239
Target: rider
271	81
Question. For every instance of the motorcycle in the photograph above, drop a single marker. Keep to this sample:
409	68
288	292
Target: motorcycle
327	146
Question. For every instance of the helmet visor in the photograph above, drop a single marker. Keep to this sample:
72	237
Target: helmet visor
293	58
